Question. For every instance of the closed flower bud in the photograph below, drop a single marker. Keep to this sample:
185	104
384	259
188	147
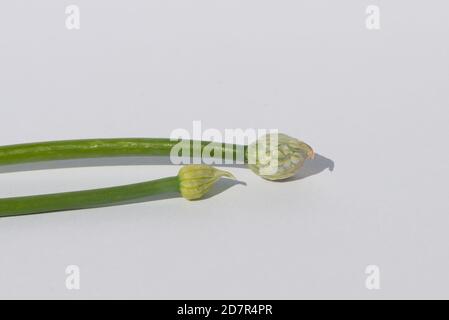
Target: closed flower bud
278	156
197	179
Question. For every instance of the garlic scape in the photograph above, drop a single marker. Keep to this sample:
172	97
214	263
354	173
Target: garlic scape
273	157
192	182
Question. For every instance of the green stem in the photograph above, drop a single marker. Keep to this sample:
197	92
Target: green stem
102	148
87	199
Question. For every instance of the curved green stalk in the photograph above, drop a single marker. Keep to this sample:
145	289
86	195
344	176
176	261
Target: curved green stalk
102	148
273	157
192	183
86	199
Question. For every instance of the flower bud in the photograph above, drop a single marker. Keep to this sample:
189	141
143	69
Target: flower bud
196	180
278	156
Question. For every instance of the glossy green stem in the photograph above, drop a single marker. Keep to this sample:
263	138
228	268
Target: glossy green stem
103	148
87	199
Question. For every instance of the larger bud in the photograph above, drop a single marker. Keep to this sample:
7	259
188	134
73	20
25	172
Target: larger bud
277	156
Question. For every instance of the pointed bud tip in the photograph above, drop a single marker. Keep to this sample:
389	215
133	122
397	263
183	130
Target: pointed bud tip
227	174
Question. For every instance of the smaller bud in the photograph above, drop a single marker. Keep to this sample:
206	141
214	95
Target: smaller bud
278	156
196	180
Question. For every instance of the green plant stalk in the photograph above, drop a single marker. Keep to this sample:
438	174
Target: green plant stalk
272	157
192	183
104	148
88	198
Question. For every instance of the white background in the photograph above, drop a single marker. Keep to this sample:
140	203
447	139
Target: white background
372	103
